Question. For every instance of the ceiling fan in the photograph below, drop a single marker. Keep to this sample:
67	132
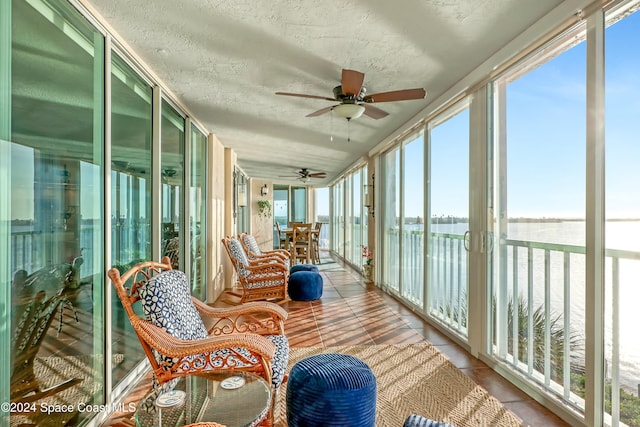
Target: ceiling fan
305	175
354	101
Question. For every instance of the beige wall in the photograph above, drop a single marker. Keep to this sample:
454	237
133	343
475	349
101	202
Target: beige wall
216	209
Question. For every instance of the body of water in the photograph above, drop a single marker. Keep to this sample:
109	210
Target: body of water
619	236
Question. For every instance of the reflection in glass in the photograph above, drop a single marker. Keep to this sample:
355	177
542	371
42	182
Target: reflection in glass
57	227
130	196
172	173
197	213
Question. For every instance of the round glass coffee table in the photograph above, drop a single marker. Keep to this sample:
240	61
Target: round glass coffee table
236	399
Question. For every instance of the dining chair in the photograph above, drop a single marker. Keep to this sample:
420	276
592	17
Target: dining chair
301	243
282	238
315	239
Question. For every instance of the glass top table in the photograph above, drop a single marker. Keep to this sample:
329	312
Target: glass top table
236	399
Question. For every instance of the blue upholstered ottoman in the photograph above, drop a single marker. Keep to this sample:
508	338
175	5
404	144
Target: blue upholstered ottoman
303	267
331	390
305	286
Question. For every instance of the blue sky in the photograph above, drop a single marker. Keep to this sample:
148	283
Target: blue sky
546	138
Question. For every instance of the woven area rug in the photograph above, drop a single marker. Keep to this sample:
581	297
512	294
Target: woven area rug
53	370
416	378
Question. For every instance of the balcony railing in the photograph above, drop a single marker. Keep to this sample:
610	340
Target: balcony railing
548	277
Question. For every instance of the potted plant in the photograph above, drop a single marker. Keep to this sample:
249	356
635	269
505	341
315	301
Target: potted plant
264	208
368	264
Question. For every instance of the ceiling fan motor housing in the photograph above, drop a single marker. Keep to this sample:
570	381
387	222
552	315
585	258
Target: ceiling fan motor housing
348	99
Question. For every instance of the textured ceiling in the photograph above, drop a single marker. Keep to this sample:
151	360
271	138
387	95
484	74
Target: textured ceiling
224	60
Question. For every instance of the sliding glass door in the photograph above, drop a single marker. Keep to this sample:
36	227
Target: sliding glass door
130	196
622	248
55	206
448	218
538	258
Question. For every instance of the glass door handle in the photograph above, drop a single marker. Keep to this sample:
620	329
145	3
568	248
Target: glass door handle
467	241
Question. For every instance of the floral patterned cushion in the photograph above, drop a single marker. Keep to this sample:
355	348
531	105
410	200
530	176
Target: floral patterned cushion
166	302
281	358
239	256
251	243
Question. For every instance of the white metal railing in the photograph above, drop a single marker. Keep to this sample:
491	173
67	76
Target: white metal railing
546	276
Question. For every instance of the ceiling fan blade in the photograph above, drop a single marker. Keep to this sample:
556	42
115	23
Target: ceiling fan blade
352	82
320	112
302	95
318	175
374	112
396	95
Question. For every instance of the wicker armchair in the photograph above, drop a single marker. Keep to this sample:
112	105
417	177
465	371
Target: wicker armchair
181	335
254	253
258	279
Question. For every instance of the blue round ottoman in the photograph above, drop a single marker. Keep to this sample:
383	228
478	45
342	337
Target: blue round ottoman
331	390
303	267
305	286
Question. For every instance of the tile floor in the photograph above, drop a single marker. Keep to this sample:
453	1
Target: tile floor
351	312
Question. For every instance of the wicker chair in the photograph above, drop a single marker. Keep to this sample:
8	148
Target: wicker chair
34	314
259	280
182	336
254	253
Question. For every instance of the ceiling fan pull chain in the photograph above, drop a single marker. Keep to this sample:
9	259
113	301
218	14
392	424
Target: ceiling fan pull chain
348	130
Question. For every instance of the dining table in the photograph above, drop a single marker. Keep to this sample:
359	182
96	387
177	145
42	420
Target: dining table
288	233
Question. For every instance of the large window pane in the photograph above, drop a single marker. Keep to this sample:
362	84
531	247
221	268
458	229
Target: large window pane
413	177
538	258
130	195
172	184
622	255
391	219
449	219
197	212
56	195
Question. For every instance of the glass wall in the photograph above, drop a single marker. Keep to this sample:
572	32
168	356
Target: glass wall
130	195
54	201
391	221
56	195
298	204
348	216
413	188
622	253
538	260
172	153
322	204
197	212
448	285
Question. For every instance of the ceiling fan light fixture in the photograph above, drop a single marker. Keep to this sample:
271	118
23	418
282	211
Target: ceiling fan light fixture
348	111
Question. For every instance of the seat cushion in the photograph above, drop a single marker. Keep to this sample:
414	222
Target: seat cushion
331	390
166	302
305	286
303	267
414	420
239	256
